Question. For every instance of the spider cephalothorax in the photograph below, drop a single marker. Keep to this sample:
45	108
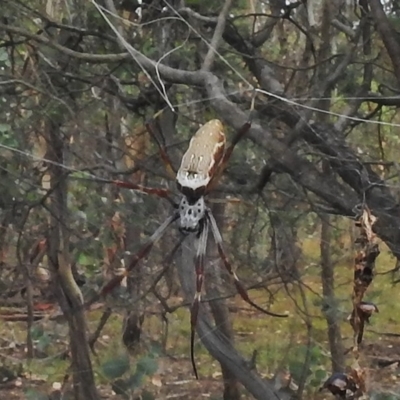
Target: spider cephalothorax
201	167
191	212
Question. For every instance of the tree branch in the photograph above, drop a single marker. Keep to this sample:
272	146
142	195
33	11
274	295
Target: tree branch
91	58
219	30
388	35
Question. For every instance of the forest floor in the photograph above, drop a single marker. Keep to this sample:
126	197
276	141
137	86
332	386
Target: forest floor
174	378
281	345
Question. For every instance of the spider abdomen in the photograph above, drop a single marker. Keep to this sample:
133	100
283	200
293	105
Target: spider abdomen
201	160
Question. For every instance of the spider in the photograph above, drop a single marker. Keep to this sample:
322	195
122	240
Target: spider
201	167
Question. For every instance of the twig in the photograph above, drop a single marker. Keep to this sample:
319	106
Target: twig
219	30
103	320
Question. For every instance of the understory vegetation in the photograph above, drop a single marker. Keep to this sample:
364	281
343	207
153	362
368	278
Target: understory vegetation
96	96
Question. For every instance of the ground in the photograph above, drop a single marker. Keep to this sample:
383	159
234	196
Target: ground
173	378
281	344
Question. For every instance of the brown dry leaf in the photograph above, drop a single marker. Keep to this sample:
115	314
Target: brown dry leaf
156	381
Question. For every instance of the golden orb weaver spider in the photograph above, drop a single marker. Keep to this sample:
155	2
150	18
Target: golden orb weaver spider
201	167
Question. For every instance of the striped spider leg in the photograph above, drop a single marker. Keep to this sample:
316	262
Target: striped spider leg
238	284
171	171
199	268
142	253
207	223
201	168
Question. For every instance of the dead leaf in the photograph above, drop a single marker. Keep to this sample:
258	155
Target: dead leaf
156	381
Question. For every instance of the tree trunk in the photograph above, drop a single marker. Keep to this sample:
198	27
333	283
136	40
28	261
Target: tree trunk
327	271
213	339
330	305
285	253
219	308
67	291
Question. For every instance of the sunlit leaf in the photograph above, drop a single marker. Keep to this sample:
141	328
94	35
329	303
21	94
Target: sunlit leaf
85	260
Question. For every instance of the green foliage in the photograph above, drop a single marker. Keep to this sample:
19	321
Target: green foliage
7	137
86	260
46	85
4	128
4	58
42	338
126	379
116	367
315	374
147	365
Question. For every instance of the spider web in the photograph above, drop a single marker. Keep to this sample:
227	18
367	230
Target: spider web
159	84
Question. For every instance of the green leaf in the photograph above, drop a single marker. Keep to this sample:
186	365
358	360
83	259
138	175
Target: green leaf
37	332
3	55
315	383
147	366
135	380
116	367
44	342
155	349
316	355
320	375
85	260
297	369
5	128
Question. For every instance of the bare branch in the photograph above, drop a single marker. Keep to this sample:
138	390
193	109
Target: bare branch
388	35
219	30
343	28
90	58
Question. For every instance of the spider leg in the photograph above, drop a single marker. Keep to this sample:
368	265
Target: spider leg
238	136
227	155
194	311
142	253
162	149
238	284
160	192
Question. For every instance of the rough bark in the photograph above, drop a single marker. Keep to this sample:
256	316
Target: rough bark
214	340
330	309
219	308
67	291
388	34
